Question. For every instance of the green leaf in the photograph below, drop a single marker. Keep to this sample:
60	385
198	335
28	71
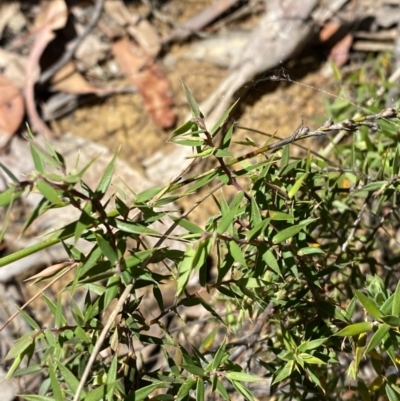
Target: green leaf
296	186
21	345
37	159
369	304
311	359
280	216
393	321
255	214
284	372
216	362
59	317
188	225
184	128
222	119
112	290
9	173
310	251
378	336
107	249
227	139
372	186
193	369
313	344
69	377
242	376
236	253
85	220
396	301
134	228
290	232
194	107
148	194
9	195
221	389
187	385
105	181
55	384
355	329
392	396
243	390
144	392
28	319
49	192
270	259
200	389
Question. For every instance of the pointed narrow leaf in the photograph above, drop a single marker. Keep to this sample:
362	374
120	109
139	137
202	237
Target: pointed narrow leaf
284	372
270	259
107	249
69	377
105	181
242	376
194	107
377	337
393	321
296	186
369	304
355	329
49	192
37	160
396	301
220	121
289	232
200	389
236	253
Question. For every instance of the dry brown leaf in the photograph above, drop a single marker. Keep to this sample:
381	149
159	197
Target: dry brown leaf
11	107
340	52
51	270
328	31
70	80
53	16
147	76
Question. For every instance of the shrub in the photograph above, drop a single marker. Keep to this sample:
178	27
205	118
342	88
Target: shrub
303	300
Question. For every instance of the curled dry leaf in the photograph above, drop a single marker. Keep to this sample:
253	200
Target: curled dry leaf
53	16
70	80
51	270
147	76
11	108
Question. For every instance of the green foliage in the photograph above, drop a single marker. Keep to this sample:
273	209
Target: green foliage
302	276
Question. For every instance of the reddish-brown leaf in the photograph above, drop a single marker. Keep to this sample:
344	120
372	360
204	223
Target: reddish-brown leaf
147	76
11	107
339	43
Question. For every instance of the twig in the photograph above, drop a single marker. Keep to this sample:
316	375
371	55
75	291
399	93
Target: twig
328	128
101	339
69	54
353	230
